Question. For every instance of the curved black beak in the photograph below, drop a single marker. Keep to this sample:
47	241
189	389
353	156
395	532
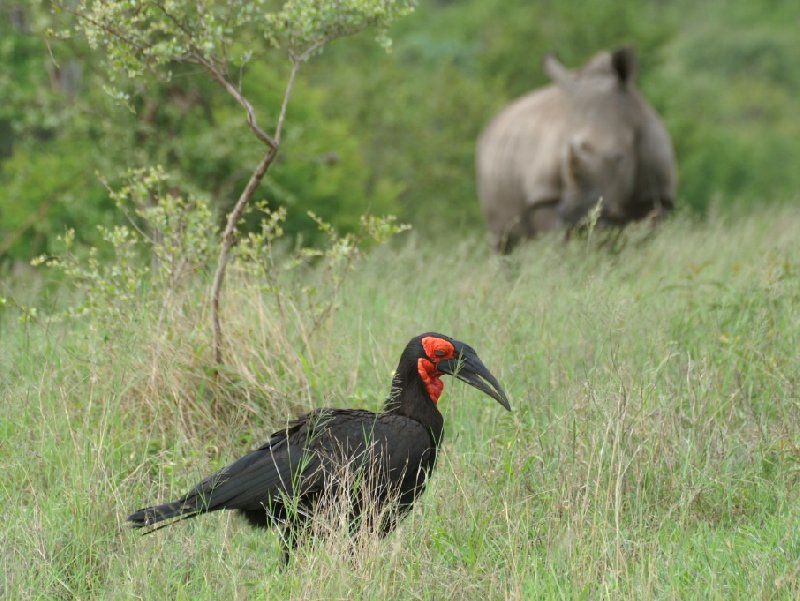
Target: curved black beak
467	367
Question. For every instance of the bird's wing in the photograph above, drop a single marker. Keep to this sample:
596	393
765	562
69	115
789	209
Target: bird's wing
264	476
394	441
301	458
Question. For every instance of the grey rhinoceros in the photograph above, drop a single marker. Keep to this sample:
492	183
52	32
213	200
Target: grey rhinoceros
547	158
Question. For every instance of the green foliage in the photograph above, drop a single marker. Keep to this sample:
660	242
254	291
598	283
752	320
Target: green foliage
731	105
304	26
371	132
261	254
170	243
179	230
187	124
321	165
47	154
174	233
138	37
108	288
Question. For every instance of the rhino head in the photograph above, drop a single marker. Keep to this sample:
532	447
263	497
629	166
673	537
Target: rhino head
607	152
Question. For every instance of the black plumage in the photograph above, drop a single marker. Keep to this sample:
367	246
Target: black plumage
386	456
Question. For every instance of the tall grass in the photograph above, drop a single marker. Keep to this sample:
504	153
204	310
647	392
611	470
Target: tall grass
653	451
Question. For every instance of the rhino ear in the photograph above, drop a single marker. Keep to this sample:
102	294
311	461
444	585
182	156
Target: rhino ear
556	71
623	61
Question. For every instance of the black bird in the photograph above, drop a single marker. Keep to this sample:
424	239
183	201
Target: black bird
286	481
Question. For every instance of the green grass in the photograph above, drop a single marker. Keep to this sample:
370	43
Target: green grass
653	451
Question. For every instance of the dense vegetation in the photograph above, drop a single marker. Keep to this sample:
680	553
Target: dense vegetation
654	447
653	451
378	132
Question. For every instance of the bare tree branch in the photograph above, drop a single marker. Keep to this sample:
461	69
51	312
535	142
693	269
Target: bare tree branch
229	235
237	95
228	238
289	87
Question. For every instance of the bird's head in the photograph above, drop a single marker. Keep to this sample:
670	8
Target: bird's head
437	355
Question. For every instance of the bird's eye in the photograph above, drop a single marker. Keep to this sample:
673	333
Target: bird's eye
439	353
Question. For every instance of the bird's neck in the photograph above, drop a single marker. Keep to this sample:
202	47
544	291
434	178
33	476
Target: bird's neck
409	397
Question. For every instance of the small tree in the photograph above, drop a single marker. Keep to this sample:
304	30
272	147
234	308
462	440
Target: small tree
143	37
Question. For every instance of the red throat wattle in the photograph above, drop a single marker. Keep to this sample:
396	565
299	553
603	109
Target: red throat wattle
430	377
437	349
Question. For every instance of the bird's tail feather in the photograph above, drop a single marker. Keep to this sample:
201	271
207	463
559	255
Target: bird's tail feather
150	516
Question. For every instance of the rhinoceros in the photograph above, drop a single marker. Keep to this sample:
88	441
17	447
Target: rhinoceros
547	158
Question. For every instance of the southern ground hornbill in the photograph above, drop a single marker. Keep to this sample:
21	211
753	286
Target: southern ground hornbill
387	455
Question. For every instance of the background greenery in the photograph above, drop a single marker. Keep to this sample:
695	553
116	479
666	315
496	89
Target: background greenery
374	132
654	447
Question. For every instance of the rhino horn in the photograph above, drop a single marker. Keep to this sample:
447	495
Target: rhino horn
577	156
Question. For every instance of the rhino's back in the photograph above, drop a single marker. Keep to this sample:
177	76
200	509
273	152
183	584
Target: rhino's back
519	153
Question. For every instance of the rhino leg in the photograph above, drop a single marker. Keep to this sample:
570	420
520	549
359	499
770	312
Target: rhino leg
536	219
542	218
504	242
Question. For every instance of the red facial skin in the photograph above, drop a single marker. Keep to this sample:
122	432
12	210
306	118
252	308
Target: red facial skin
437	350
